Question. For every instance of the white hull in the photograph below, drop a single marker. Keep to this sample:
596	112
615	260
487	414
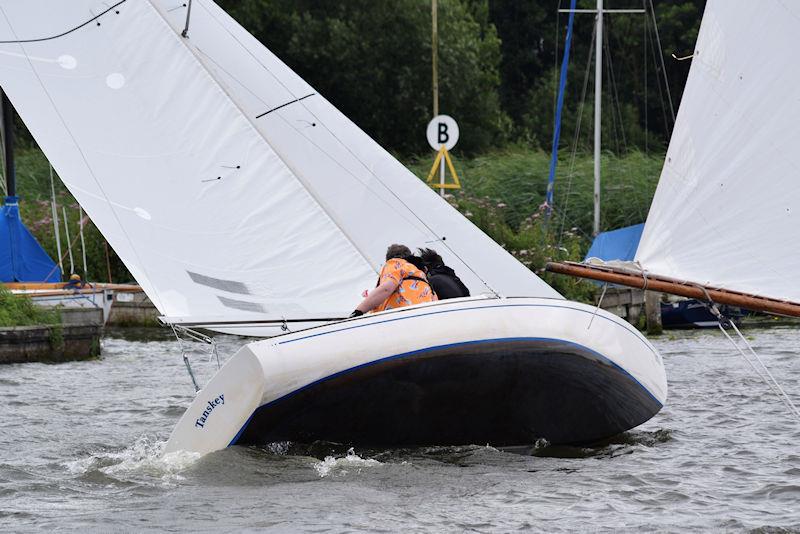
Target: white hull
507	351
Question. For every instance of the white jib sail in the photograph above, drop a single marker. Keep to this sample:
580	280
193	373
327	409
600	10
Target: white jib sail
726	210
227	185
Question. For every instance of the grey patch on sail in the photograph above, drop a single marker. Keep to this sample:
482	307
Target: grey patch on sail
231	286
242	305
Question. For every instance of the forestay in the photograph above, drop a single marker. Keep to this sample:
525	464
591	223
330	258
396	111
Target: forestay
725	213
227	185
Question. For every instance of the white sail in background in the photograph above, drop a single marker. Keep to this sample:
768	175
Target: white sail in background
727	209
227	185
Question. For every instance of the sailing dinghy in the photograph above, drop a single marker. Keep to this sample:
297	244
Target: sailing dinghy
244	202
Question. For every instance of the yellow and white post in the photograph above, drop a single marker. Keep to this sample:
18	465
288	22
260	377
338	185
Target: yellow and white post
442	134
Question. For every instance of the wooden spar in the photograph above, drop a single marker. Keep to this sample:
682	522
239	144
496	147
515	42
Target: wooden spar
47	286
676	287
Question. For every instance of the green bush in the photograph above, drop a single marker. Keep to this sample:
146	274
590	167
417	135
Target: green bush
503	192
19	310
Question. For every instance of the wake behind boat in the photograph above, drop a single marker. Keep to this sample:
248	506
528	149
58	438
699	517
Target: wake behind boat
475	370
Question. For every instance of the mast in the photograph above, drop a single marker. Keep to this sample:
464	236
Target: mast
8	147
435	55
598	93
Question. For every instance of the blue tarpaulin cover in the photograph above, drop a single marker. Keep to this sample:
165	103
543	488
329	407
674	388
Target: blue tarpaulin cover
22	258
618	244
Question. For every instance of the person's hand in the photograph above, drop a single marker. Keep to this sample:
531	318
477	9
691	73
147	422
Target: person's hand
356	313
364	293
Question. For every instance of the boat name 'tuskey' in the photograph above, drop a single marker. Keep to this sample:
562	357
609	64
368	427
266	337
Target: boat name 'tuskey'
201	421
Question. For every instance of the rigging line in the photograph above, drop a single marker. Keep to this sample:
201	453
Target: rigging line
195	53
766	370
644	68
658	81
780	392
284	105
614	125
321	149
723	322
617	106
750	363
599	303
555	58
615	87
59	263
373	174
186	359
84	158
573	223
663	65
76	28
363	164
576	137
185	32
292	126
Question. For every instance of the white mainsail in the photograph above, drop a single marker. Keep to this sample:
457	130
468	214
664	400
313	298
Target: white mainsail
227	185
725	213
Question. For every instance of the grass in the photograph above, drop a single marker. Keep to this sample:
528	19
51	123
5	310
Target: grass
19	310
503	193
517	178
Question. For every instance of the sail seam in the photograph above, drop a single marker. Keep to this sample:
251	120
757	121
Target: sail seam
247	118
363	164
335	161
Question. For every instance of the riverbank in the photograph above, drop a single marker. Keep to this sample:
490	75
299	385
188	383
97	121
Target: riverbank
31	333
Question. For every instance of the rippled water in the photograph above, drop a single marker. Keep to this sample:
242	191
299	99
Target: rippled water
80	450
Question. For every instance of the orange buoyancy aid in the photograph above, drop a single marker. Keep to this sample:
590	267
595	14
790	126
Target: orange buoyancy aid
412	285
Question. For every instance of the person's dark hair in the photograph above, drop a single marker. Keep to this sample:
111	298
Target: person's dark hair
397	251
430	257
416	261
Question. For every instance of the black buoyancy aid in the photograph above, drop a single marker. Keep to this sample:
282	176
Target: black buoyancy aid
445	283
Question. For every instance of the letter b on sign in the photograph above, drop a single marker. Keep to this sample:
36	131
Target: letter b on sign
442	130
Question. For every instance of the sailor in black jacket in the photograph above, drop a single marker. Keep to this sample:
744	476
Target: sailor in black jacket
442	278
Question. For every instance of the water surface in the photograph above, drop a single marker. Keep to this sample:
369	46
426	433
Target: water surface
80	449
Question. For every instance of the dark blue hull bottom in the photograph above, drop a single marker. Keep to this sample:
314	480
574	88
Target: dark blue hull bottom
694	314
496	392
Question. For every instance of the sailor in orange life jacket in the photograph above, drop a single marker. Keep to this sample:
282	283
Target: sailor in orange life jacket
400	284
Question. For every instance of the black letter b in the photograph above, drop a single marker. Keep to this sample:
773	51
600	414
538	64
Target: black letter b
444	137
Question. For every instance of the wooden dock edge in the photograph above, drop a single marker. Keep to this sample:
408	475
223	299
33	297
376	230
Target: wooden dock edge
675	287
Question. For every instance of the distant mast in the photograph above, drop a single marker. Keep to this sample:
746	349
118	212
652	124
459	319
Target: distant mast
8	147
598	100
598	94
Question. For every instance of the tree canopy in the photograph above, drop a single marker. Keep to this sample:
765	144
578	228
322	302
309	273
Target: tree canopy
498	65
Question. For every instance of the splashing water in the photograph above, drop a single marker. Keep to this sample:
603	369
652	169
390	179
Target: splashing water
341	466
144	457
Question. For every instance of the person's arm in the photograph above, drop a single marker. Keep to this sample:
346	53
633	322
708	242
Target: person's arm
376	296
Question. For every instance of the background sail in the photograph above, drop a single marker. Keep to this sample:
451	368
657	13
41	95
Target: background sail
224	182
726	209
